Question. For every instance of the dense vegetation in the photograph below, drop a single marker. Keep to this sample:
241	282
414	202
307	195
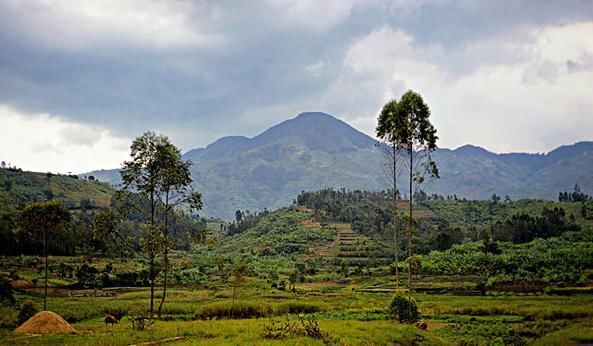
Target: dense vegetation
507	242
86	201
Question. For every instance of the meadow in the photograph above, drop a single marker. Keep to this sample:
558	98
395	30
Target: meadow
351	311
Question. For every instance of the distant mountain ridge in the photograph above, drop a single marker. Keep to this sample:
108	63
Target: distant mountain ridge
315	150
314	131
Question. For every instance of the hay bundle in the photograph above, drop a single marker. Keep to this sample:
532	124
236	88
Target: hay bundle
45	322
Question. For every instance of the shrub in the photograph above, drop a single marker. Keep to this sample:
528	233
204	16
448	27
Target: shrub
307	327
27	311
6	295
404	310
279	330
141	323
238	310
300	308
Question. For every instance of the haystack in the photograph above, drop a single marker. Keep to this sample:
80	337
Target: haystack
45	322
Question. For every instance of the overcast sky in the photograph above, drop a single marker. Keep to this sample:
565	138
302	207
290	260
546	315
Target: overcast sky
80	79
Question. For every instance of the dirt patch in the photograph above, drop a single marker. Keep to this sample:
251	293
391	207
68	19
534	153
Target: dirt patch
21	283
435	325
45	322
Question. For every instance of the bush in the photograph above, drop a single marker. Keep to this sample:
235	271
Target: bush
404	310
27	311
141	323
6	295
239	310
307	327
300	308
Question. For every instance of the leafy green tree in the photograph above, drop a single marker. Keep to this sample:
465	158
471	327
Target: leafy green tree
416	137
104	226
155	182
404	310
8	218
387	133
175	190
50	218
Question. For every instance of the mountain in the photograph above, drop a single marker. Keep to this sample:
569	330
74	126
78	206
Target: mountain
309	131
316	150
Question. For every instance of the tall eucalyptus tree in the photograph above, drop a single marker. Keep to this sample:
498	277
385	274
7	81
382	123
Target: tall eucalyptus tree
415	135
390	146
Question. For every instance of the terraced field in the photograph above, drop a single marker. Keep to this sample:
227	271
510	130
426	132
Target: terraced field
352	249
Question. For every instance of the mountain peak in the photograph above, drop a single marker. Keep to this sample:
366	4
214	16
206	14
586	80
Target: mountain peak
472	149
313	116
310	130
316	131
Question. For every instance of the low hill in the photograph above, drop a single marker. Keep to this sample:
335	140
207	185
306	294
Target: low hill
26	187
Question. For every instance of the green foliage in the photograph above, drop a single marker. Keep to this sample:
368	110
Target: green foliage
545	261
472	217
28	187
404	309
255	309
278	233
241	309
6	293
45	224
576	196
26	311
156	180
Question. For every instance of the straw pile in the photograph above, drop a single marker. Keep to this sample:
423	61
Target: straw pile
45	322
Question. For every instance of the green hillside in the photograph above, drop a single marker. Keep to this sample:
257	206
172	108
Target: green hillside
27	187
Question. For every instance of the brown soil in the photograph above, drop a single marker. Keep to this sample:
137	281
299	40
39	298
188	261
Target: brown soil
45	322
21	283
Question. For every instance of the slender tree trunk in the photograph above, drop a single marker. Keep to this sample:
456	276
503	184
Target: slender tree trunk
166	272
151	264
165	254
410	224
233	301
46	266
394	218
151	253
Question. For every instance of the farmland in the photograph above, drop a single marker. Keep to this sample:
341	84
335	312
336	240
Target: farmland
330	273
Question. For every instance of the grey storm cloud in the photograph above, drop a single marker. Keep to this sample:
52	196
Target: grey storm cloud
201	69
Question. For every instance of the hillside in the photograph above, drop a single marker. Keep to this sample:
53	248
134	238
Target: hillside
316	150
26	187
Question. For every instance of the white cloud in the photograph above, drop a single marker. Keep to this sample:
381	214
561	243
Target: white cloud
310	15
74	25
44	142
527	98
315	69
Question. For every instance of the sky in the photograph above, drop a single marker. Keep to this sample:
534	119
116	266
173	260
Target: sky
80	79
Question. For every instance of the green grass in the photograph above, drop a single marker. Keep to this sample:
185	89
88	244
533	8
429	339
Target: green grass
232	332
351	317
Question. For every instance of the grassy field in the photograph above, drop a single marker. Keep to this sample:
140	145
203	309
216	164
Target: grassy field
350	316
